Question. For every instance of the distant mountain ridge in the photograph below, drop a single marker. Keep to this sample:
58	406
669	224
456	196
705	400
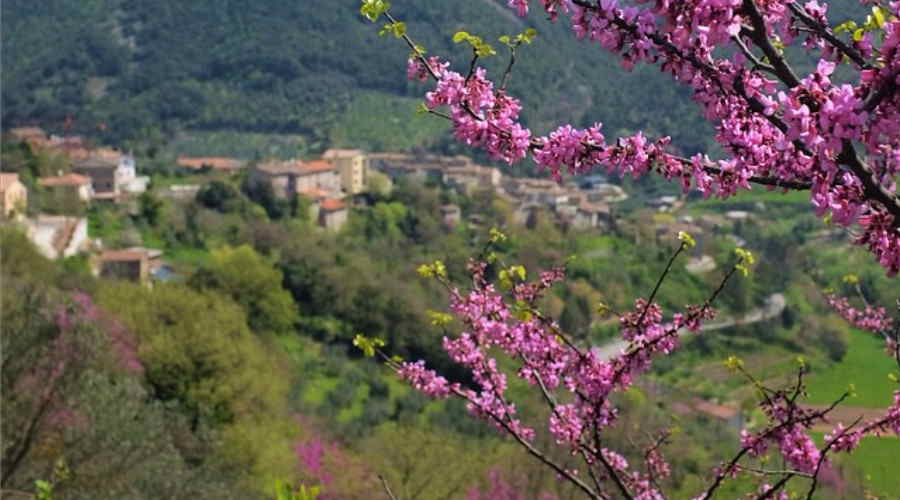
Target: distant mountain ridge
133	67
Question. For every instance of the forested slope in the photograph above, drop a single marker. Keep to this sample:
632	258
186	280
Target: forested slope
291	66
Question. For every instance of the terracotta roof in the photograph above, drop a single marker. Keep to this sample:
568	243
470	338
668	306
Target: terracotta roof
66	140
63	237
7	180
279	167
123	255
93	161
341	153
27	132
77	153
107	154
332	205
65	180
315	193
212	161
317	166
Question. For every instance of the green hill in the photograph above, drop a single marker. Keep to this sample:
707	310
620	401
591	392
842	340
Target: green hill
130	69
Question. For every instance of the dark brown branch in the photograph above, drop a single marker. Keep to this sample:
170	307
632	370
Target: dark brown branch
824	454
659	283
872	188
826	33
507	74
614	474
886	90
777	486
760	37
757	64
720	477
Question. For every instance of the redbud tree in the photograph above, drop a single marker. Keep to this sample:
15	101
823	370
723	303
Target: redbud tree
840	142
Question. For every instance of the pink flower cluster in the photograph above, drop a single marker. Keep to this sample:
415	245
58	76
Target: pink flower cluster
803	134
425	380
482	116
874	319
546	360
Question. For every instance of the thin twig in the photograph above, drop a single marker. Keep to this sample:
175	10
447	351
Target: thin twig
386	487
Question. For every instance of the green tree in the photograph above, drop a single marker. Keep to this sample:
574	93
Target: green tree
200	356
253	282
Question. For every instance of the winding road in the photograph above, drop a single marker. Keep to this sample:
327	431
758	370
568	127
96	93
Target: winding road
774	306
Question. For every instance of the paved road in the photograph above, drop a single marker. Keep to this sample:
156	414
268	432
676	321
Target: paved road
774	306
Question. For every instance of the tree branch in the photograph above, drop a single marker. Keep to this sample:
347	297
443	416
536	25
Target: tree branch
826	33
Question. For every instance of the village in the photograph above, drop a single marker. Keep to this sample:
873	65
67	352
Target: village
330	185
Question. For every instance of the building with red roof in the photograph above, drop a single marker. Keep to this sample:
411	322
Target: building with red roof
217	163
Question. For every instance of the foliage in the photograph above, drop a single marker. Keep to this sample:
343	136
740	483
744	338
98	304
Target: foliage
776	129
200	356
254	283
165	67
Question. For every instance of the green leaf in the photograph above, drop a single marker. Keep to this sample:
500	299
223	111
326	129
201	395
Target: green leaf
845	27
528	35
858	34
373	9
878	15
745	260
505	40
496	236
439	318
398	29
460	36
367	345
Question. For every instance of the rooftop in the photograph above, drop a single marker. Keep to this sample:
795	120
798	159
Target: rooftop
216	162
65	180
129	255
279	167
332	205
93	161
341	153
316	166
24	132
315	193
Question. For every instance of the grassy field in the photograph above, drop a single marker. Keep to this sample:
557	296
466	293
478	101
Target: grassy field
876	462
865	365
377	122
754	195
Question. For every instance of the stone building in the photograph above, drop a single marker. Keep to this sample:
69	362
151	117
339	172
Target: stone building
58	236
78	185
13	195
332	214
352	166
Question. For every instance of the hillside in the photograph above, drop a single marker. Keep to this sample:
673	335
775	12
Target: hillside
316	69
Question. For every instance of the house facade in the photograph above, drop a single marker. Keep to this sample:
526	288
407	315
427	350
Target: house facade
290	178
13	195
58	236
111	172
332	214
79	185
130	265
352	166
